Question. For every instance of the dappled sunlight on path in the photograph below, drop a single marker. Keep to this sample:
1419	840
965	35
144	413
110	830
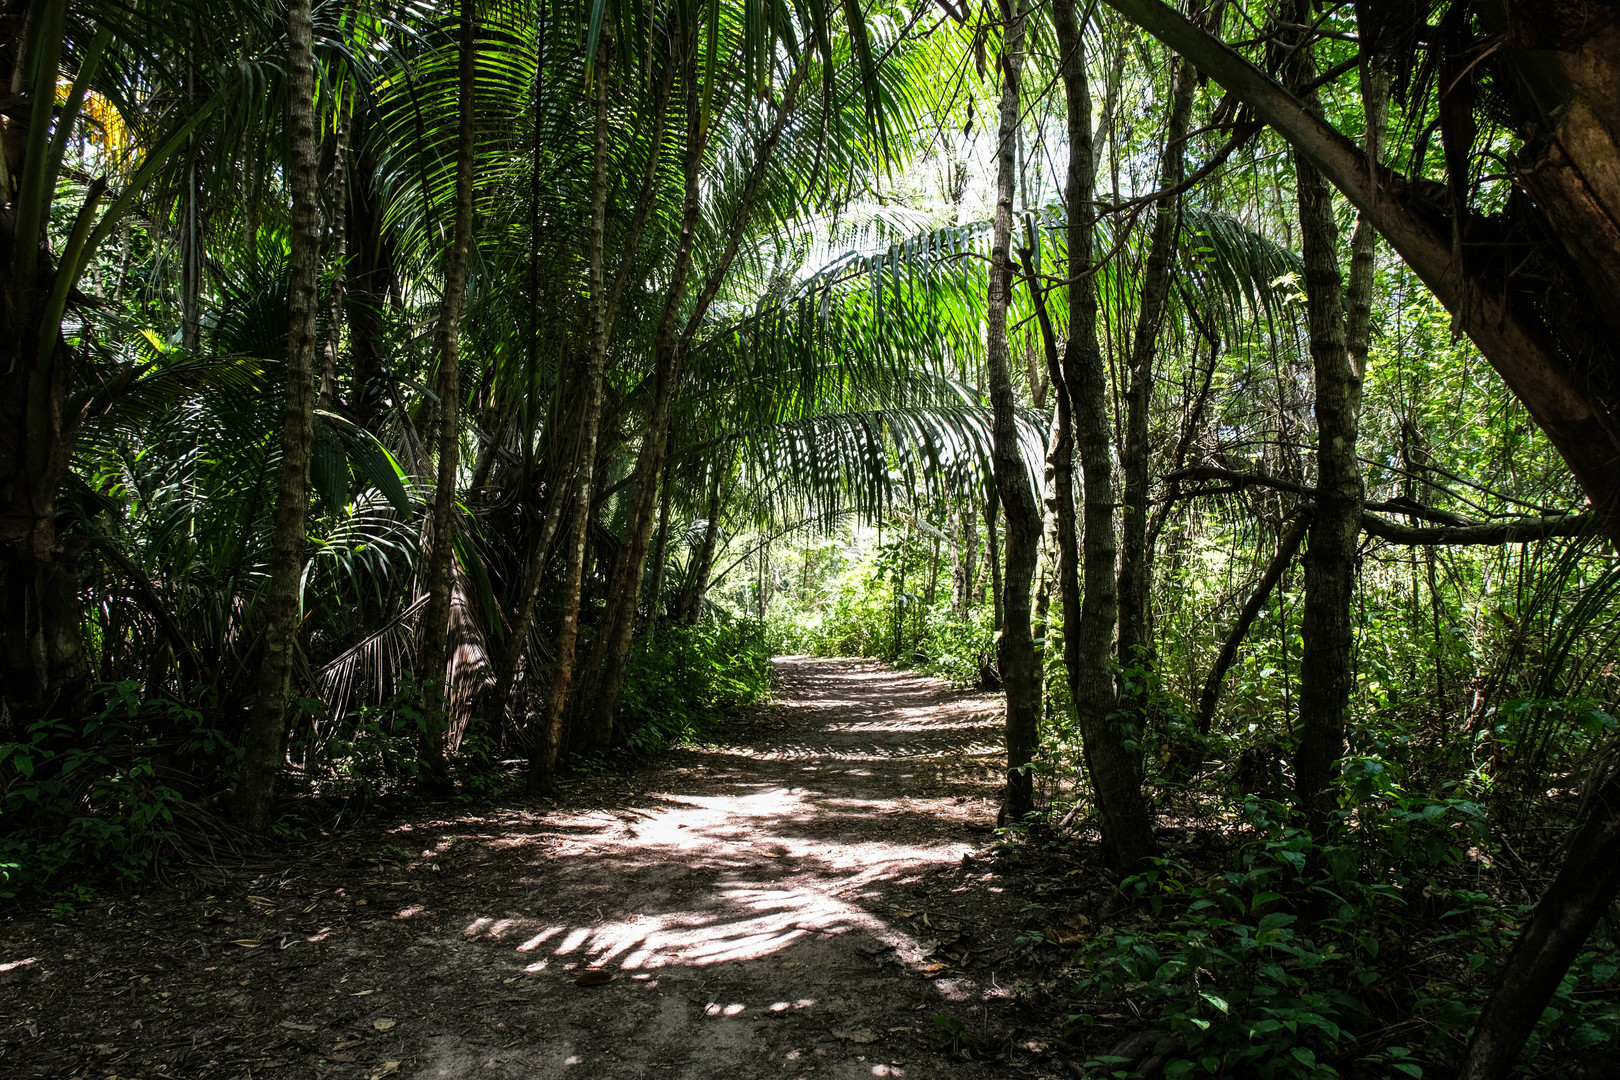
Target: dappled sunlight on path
756	882
799	895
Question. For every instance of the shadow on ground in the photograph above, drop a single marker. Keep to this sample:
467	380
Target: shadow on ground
799	896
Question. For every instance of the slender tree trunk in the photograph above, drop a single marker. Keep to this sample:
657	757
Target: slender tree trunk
1116	773
1287	548
340	255
548	747
433	669
697	577
1335	530
992	555
1060	469
266	726
1020	668
1136	556
660	547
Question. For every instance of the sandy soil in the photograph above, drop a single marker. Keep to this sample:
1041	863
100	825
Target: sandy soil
806	894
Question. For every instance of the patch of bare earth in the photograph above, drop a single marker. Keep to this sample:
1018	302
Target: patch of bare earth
806	894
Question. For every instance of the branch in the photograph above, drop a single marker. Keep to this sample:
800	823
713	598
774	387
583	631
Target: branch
1452	528
1496	532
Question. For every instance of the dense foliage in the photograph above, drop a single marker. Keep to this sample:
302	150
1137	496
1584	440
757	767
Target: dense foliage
396	398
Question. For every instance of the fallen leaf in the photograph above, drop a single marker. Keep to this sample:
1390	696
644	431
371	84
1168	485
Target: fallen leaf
362	993
935	969
594	977
248	943
389	1068
299	1027
788	963
383	1024
360	903
904	914
863	1036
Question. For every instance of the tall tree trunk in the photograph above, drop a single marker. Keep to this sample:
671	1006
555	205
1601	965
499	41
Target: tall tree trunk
266	726
368	275
613	648
433	669
1020	668
340	256
43	670
1136	556
992	557
1116	773
1059	465
548	746
1335	529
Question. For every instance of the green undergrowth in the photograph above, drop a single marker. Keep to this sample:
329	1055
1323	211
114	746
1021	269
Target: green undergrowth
1367	957
683	677
107	800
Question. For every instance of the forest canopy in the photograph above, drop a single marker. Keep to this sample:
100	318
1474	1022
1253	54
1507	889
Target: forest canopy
399	397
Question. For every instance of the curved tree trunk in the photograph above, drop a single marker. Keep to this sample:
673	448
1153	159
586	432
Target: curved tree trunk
1287	548
1020	668
434	664
266	727
1116	773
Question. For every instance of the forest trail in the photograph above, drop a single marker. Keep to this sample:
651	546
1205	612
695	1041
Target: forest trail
800	895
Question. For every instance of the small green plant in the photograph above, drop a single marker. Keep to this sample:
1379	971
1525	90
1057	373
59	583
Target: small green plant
81	801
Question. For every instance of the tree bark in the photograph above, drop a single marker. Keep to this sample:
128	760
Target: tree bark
435	656
548	746
1334	533
661	545
1020	668
266	725
1115	768
1136	555
43	670
1584	890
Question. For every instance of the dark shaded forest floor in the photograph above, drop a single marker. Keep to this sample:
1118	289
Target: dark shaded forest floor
809	892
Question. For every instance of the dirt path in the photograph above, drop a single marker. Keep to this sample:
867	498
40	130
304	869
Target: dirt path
800	896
